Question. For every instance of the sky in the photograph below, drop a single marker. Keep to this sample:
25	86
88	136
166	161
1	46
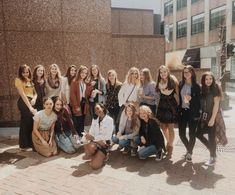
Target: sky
139	4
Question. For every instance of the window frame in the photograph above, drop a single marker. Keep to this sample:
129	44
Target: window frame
182	22
233	12
194	18
180	4
214	21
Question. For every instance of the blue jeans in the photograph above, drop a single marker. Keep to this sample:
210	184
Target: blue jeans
65	142
126	143
147	151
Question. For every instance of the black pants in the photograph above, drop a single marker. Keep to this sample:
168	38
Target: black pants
79	124
113	112
26	125
210	143
185	120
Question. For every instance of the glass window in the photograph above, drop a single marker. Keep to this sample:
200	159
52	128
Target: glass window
197	24
171	32
168	8
217	17
232	70
181	4
182	28
214	67
234	12
194	1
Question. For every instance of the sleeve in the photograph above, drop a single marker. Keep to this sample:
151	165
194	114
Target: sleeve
136	130
18	83
92	128
73	98
122	122
121	93
152	90
36	117
109	129
104	90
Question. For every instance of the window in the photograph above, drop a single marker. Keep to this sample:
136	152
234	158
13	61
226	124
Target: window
197	24
171	32
194	1
182	28
232	69
181	4
233	12
214	67
217	17
168	8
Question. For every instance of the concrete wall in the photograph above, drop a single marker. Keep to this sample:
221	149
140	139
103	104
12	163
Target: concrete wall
132	21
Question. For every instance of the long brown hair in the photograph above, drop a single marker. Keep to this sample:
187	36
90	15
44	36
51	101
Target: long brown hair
80	69
22	68
134	117
117	82
35	77
68	75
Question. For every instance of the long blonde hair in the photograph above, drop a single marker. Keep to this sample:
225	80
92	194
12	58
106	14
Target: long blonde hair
131	71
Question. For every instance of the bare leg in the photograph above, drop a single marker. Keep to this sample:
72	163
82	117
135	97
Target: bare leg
97	160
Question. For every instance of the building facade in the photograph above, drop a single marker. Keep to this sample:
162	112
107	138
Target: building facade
192	30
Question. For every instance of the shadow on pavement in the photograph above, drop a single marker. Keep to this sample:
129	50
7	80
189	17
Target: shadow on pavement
196	174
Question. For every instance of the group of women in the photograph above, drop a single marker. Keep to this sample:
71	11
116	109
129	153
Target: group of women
138	114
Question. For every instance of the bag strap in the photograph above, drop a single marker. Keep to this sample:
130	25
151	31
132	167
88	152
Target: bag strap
130	93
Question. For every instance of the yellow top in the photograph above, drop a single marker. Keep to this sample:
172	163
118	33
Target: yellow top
26	86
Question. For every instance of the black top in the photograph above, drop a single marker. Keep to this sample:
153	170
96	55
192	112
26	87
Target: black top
112	96
194	104
152	133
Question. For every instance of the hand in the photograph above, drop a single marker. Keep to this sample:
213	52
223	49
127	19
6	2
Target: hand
188	97
143	140
50	142
33	101
45	143
93	83
33	111
122	137
89	136
78	109
211	123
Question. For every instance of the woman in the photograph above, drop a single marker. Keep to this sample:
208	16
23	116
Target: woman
80	92
129	91
189	109
65	88
43	130
99	138
113	87
210	99
150	134
26	102
54	82
65	132
147	91
99	88
167	87
39	81
128	131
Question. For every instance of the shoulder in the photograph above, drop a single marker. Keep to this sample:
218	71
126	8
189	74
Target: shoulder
18	82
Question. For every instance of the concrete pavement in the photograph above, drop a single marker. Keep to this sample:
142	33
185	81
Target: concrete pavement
30	173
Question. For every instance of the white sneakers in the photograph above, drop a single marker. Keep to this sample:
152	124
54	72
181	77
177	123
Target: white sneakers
210	162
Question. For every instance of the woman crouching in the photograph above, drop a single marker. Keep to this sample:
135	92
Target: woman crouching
43	130
65	133
99	137
151	137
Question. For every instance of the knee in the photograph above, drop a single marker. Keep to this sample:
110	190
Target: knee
91	148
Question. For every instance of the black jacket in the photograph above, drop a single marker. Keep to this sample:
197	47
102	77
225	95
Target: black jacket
152	133
194	105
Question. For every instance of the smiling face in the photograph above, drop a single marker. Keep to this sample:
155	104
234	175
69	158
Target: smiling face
112	77
187	74
73	72
94	71
48	104
164	73
208	80
143	115
99	111
58	105
83	74
25	73
129	112
40	72
53	70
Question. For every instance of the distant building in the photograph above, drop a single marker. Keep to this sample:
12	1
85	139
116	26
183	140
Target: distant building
192	33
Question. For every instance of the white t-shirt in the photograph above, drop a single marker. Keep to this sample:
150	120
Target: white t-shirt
44	120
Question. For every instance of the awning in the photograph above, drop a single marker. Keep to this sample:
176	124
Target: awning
192	57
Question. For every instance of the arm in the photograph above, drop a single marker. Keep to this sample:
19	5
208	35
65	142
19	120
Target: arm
135	132
214	111
25	99
121	93
52	133
64	89
35	130
33	101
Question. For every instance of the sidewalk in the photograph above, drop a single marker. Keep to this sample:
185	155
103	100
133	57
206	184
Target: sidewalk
30	173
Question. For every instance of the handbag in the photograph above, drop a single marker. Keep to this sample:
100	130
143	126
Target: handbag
220	128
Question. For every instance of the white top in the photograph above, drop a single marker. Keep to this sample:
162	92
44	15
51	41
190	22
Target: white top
102	131
44	120
125	92
65	88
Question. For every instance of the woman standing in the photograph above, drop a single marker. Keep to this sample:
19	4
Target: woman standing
54	82
128	131
99	88
39	84
147	92
65	132
65	88
80	92
43	130
189	109
129	91
27	100
113	87
150	134
167	86
210	99
99	138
